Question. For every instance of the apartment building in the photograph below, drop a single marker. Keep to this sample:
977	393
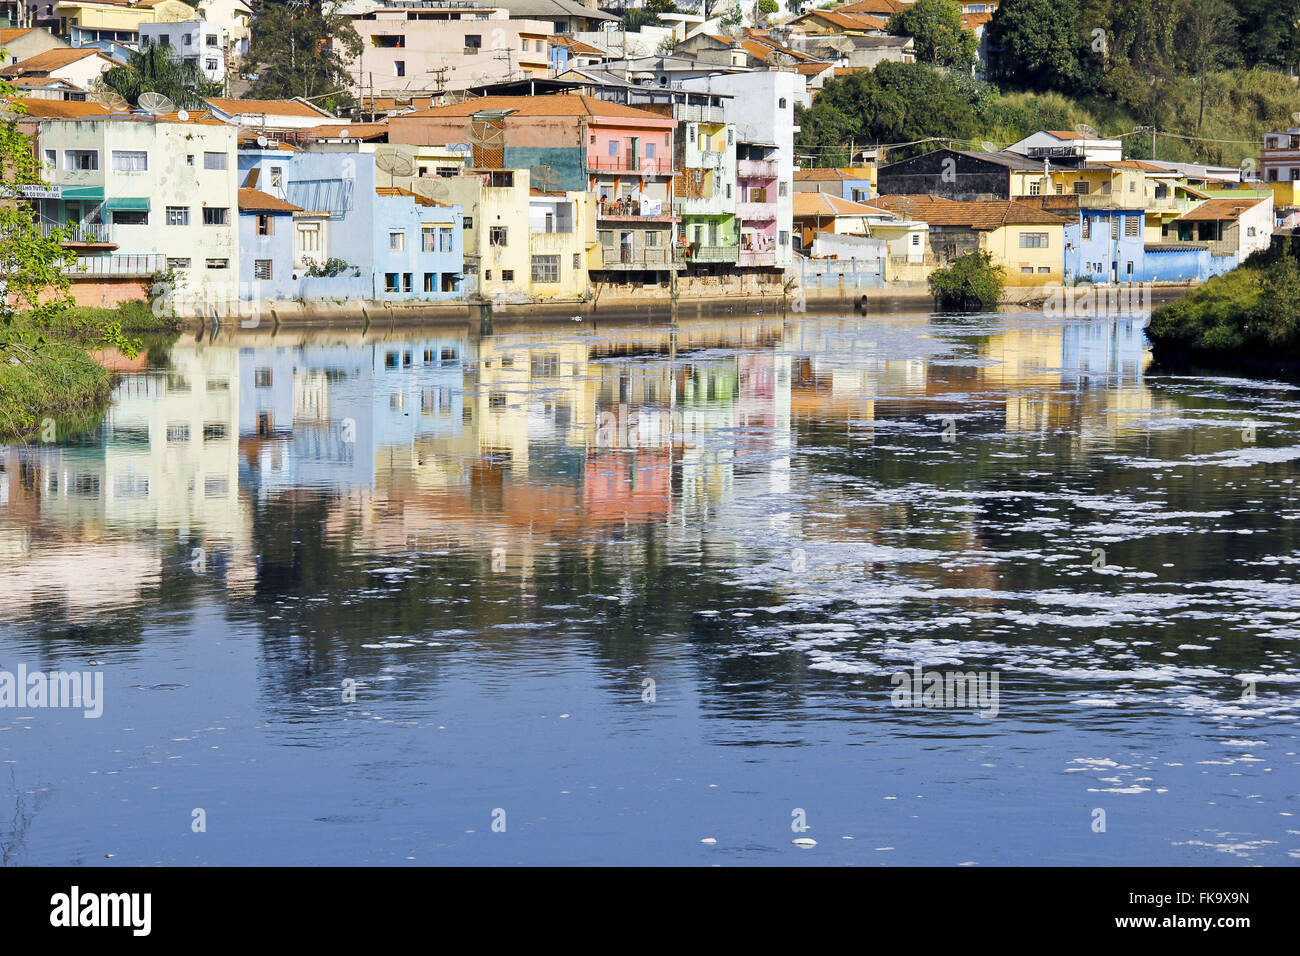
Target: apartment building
200	42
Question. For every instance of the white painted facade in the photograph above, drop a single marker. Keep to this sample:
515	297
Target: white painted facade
200	42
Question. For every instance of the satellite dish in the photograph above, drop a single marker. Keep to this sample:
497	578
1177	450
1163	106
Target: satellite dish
434	189
1295	118
546	178
394	163
155	104
262	141
343	133
989	147
183	115
1086	131
110	99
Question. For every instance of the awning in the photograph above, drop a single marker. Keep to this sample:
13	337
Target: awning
127	204
91	193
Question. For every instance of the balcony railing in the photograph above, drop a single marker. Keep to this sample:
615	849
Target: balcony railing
142	265
699	113
693	253
630	164
755	169
624	258
756	211
80	233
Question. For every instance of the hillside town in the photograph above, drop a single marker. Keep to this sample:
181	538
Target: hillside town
527	151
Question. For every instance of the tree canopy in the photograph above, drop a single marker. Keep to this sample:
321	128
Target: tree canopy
157	68
935	26
300	49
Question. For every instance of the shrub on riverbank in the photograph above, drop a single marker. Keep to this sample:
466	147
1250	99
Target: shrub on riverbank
972	282
1252	312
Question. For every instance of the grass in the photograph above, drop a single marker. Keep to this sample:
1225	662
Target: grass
57	378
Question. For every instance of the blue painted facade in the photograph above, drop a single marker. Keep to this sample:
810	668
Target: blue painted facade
1104	247
398	247
275	247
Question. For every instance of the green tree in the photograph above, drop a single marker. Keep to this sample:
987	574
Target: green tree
156	68
1208	42
973	281
1269	33
935	26
1035	44
299	49
634	18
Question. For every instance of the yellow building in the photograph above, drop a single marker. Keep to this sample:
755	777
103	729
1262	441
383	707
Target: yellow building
117	20
1026	240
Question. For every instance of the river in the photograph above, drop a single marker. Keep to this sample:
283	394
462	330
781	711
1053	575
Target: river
656	594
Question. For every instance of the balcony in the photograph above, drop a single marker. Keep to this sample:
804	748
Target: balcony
659	257
630	164
756	211
755	257
552	243
705	254
117	266
699	113
1110	201
80	233
756	169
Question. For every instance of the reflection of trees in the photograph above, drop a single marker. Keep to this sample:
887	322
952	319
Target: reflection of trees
13	835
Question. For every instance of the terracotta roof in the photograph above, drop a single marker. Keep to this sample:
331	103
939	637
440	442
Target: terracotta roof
878	7
812	68
254	200
845	21
825	204
838	174
1131	164
62	109
577	46
1213	210
362	131
983	216
14	33
273	107
399	191
559	104
52	60
969	21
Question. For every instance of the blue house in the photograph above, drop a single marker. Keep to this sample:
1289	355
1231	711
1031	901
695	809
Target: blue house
1106	246
353	237
266	247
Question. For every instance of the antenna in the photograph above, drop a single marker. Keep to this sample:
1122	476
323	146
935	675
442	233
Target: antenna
110	99
155	104
1086	131
262	141
546	178
343	133
183	116
434	189
989	147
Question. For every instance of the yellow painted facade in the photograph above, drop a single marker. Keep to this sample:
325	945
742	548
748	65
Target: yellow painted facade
110	16
1027	264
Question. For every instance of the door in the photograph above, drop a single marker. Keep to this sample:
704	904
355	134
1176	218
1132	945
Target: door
625	248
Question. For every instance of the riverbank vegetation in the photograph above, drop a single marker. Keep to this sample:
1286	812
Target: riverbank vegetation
974	281
1251	314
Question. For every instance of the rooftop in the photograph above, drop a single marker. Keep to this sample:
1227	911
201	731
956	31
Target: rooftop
52	60
1214	210
826	204
559	104
254	200
983	216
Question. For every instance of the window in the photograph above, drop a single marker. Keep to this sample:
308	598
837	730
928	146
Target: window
651	239
502	179
468	222
214	431
81	159
396	241
546	268
1080	187
613	147
164	39
429	278
309	237
392	41
189	40
218	263
1060	189
214	160
1132	226
130	217
1047	269
262	269
177	263
507	275
916	239
1033	240
497	236
51	159
1250	230
428	239
189	159
406	287
399	68
473	43
130	160
1035	188
216	216
210	40
265	224
1026	270
783	188
780	104
1114	227
1132	187
180	432
784	238
262	378
649	150
1087	227
390	285
445	242
577	260
178	215
277	177
210	63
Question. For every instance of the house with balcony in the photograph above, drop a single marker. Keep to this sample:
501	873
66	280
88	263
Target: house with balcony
19	43
114	26
561	235
1233	228
80	67
705	183
266	237
139	194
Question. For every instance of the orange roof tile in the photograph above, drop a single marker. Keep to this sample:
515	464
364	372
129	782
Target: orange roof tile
882	8
838	174
983	216
274	107
1220	209
13	34
52	60
826	204
254	200
558	104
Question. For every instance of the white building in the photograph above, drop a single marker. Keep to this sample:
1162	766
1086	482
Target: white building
195	41
1058	144
762	107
